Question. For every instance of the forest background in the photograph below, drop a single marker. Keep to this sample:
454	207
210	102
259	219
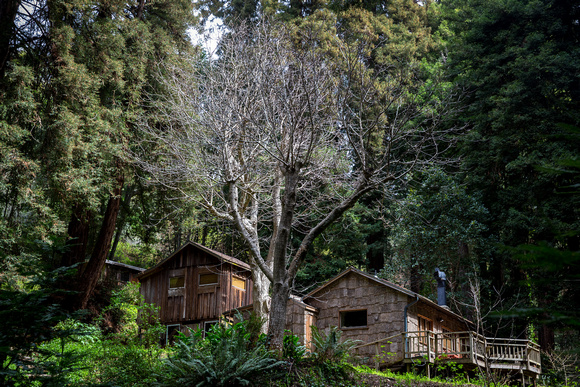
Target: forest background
77	77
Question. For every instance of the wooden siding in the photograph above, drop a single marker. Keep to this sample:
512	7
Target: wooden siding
194	303
441	319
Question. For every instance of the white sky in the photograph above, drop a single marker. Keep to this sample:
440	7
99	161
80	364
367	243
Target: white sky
209	39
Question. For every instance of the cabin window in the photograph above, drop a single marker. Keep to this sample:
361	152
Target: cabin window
425	325
125	276
176	282
448	342
239	283
208	279
353	319
171	332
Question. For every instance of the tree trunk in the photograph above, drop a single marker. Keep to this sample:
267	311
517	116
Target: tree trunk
78	236
280	286
546	338
375	257
125	208
277	321
90	275
416	279
8	10
261	296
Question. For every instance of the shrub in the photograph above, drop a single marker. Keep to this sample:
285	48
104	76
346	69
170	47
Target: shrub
292	349
329	347
224	357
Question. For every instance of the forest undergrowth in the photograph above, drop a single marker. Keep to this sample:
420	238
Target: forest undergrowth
229	354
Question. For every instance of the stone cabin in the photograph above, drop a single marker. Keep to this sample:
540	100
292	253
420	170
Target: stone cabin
194	286
368	309
397	326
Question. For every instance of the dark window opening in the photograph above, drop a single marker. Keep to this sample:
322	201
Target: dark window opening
171	333
208	279
125	276
353	319
176	282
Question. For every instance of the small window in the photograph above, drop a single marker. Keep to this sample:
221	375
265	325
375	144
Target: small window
353	319
176	282
208	279
171	333
448	340
425	324
239	283
425	327
125	276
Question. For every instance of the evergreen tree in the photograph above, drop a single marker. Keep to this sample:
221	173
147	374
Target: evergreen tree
83	101
520	61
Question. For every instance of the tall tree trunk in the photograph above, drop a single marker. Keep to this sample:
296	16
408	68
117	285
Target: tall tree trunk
375	257
416	279
280	284
546	337
261	295
8	11
277	320
90	275
78	236
125	208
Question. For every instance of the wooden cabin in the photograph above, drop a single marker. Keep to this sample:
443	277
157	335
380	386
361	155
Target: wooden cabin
121	273
194	286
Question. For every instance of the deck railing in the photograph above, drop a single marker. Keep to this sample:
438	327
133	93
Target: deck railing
465	347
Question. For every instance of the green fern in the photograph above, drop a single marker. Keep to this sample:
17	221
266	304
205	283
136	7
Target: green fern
329	347
225	357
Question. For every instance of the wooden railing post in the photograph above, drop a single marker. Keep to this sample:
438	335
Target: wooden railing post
528	352
377	356
428	334
471	348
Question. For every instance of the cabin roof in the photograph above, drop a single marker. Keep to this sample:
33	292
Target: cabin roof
292	298
124	265
387	284
222	257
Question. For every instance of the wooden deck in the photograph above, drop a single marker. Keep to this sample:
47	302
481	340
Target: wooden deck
469	348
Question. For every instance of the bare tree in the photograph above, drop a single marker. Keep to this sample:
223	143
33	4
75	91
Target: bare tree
282	134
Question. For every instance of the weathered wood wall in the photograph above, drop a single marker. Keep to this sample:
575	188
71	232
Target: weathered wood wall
441	319
194	303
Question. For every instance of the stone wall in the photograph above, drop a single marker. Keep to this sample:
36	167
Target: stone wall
384	309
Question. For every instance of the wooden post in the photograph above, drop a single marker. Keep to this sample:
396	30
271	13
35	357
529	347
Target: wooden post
527	353
471	347
428	337
377	356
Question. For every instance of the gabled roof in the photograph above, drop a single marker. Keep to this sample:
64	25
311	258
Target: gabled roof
222	257
385	283
124	265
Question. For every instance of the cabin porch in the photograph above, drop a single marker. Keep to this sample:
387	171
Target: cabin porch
468	348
